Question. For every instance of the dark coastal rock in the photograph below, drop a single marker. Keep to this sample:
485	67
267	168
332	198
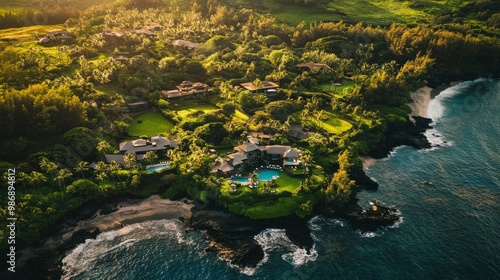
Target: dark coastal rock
362	180
232	236
78	237
403	134
371	219
108	209
364	220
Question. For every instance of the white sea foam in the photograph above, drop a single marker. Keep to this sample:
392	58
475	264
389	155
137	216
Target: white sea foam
276	239
436	107
368	234
83	258
316	223
398	222
436	140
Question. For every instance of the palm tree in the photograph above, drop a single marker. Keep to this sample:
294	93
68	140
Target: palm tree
82	167
129	160
101	176
62	175
257	83
253	179
151	157
306	159
23	177
319	115
48	166
103	147
113	167
36	178
101	166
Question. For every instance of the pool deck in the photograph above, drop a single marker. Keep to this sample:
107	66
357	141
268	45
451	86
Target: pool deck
276	168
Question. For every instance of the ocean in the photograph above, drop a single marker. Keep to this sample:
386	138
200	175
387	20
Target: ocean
448	197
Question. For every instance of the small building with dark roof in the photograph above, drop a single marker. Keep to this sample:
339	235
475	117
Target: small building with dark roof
183	43
187	88
266	87
55	37
314	67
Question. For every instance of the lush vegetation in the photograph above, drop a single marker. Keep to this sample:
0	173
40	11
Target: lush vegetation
60	105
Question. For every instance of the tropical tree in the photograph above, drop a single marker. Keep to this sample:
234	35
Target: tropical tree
101	167
151	157
81	167
101	176
24	178
253	179
104	147
36	178
48	166
136	180
306	159
62	175
113	168
130	160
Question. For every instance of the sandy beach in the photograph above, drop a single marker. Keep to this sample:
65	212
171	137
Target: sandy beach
130	212
421	99
367	161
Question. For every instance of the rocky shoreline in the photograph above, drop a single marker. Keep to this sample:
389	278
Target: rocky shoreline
231	236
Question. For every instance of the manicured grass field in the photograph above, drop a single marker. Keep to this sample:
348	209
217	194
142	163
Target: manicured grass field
338	90
185	107
152	123
239	115
333	124
287	183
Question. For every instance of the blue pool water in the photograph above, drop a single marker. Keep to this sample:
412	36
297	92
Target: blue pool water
157	168
242	180
267	174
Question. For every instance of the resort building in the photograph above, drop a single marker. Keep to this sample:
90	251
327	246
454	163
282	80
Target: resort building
314	67
140	147
187	88
184	44
249	155
58	36
135	107
265	87
154	26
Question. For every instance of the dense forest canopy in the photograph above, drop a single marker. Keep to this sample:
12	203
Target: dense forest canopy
61	104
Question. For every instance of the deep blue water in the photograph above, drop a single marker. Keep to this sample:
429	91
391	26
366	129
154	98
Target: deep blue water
449	228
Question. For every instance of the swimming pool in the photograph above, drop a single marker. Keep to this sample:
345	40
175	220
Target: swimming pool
241	180
154	168
267	174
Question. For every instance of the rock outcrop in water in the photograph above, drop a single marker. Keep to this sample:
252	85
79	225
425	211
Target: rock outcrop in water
232	236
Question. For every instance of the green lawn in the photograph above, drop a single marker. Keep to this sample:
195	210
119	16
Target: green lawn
239	115
152	123
110	89
333	124
287	183
339	89
185	107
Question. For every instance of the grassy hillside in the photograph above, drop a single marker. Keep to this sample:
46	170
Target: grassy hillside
384	12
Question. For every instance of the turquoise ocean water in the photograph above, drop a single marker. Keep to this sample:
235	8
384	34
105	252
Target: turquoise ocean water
448	196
